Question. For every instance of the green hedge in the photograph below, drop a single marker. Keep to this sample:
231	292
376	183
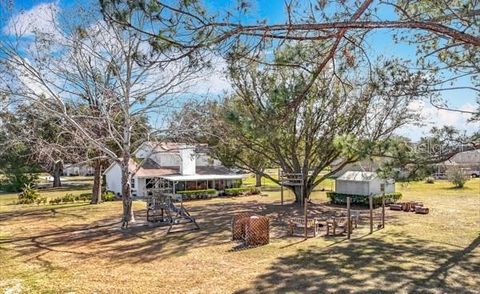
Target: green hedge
238	191
338	198
197	194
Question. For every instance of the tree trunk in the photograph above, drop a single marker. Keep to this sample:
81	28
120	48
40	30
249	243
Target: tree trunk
258	180
297	190
57	173
97	183
128	215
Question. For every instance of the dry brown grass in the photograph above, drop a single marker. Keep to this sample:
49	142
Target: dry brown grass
80	248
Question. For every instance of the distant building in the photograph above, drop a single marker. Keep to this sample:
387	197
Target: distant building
363	183
468	161
174	166
78	170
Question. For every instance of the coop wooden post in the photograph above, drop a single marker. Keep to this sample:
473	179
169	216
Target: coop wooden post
370	200
383	210
305	208
349	223
280	180
281	193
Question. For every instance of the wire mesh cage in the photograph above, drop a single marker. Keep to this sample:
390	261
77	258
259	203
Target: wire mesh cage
257	231
252	229
239	224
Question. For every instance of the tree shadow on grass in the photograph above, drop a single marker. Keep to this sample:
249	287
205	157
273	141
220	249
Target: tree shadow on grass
372	265
141	243
40	211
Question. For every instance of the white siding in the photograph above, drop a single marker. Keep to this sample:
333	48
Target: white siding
188	161
114	179
163	159
166	159
389	188
205	160
362	188
141	187
352	187
374	186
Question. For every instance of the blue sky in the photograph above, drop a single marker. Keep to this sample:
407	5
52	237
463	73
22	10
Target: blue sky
380	43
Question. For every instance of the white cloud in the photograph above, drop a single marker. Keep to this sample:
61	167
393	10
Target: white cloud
214	80
41	18
434	117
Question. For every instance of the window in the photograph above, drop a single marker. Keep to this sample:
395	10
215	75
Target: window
149	183
180	186
201	185
191	185
132	183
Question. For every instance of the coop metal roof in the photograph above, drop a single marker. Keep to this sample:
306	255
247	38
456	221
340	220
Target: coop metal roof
358	176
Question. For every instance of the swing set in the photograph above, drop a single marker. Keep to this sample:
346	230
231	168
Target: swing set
165	207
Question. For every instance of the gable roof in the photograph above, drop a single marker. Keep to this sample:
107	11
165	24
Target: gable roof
358	176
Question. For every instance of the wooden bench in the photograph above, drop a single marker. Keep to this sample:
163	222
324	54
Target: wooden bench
299	223
339	225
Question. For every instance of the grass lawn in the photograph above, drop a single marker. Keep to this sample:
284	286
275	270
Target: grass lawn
80	248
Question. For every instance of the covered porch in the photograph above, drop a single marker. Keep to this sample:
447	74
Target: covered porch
173	184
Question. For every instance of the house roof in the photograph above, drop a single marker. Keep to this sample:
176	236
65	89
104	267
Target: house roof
203	177
358	176
467	157
166	147
151	169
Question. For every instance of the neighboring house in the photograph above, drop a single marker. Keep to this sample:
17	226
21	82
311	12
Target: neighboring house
77	170
467	160
172	166
363	183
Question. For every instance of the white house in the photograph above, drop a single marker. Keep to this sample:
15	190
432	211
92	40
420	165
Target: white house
363	183
175	166
82	169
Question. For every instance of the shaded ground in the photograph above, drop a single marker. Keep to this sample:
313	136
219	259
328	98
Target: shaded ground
80	248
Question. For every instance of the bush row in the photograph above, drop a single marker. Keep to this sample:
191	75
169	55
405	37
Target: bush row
243	191
209	193
31	196
338	198
197	194
70	198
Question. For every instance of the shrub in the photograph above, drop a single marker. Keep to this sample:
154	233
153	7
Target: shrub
430	180
338	198
56	200
457	176
28	195
41	200
83	197
197	194
16	182
108	196
68	198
